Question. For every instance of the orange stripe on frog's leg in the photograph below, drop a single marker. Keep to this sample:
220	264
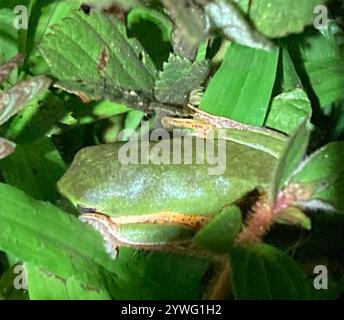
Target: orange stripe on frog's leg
165	217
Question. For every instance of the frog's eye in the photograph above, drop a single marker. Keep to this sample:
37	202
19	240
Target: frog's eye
84	209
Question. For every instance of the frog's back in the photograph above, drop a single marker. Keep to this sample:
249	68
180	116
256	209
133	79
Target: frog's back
98	180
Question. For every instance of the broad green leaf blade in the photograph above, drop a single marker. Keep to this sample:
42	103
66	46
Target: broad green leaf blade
264	272
42	234
34	168
290	159
279	18
320	63
108	55
6	148
43	17
9	35
242	87
9	66
332	195
324	171
220	233
178	78
225	16
288	110
326	164
46	285
291	80
16	98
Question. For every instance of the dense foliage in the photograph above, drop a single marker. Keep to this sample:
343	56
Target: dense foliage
67	81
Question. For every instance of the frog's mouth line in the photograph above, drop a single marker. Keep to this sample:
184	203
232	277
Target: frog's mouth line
192	221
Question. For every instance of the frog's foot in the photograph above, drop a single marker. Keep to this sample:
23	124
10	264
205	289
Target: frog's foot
106	228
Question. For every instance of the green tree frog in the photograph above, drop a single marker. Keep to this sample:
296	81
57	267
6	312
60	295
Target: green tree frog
164	205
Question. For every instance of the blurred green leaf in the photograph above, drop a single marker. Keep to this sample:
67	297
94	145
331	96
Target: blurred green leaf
8	34
324	171
264	272
225	16
288	110
278	18
242	87
220	233
320	63
46	285
291	80
290	159
34	167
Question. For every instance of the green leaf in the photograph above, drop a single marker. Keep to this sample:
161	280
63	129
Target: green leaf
320	63
109	58
279	18
34	167
178	78
290	159
225	16
324	171
242	87
46	285
291	80
41	234
9	35
288	110
220	233
44	15
264	272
